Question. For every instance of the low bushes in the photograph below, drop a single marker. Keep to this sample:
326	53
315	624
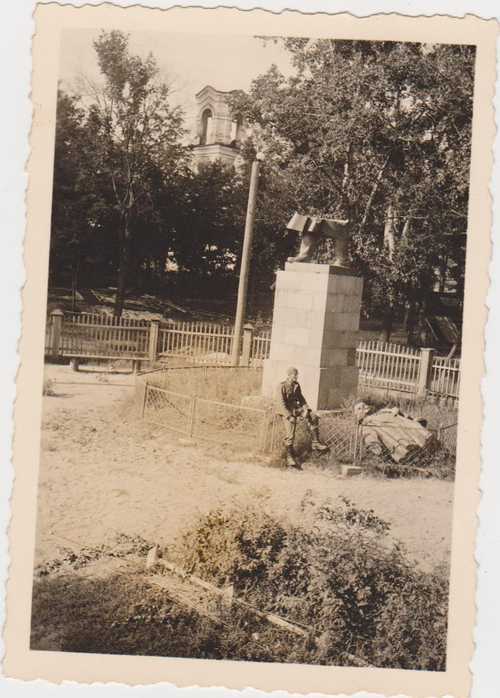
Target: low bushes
339	575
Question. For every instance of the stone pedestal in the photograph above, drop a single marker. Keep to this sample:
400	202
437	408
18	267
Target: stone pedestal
315	329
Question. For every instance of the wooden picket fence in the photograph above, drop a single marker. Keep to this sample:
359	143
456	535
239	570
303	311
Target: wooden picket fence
386	365
445	377
261	346
382	366
86	335
209	340
394	368
96	336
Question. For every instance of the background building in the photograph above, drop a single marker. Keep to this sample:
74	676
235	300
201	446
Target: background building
218	132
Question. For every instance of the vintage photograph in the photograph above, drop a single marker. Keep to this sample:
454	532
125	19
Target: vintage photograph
253	348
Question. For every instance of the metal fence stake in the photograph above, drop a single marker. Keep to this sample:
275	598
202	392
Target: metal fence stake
265	432
355	454
144	399
192	417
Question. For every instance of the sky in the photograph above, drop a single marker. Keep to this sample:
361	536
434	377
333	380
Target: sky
225	62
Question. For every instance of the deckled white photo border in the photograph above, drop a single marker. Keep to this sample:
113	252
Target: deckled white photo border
20	661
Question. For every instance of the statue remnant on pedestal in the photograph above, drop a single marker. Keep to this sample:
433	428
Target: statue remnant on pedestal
316	317
313	229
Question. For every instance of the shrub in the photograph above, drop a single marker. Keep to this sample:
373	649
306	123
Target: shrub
340	575
232	547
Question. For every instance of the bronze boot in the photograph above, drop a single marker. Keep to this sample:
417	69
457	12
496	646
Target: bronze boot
290	459
317	445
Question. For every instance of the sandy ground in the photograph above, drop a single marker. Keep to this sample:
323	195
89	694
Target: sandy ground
103	471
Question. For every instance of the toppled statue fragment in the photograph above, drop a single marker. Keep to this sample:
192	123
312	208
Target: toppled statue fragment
391	431
313	229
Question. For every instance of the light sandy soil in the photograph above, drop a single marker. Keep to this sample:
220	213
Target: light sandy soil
103	471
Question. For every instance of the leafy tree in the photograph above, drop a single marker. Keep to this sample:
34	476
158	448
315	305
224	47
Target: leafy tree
378	132
136	141
208	234
73	224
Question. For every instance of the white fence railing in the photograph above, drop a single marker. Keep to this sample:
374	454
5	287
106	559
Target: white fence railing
85	335
396	368
382	365
261	346
388	365
205	340
94	336
445	377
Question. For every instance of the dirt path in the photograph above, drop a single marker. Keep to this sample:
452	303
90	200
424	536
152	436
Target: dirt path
104	472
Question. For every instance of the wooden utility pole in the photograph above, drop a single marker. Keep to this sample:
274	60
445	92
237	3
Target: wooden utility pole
245	262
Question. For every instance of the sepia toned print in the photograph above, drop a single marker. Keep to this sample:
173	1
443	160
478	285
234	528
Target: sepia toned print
257	320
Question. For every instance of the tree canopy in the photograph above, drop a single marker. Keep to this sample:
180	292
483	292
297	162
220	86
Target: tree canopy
126	200
378	132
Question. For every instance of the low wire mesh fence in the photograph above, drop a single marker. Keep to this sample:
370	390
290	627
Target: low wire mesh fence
447	437
242	427
220	383
406	450
223	406
206	402
245	428
341	435
168	409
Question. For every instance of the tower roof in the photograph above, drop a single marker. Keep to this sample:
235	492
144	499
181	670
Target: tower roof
210	89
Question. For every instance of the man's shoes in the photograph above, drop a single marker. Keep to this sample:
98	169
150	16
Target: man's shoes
319	447
290	459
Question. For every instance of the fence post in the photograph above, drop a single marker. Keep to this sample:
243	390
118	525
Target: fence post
144	399
425	371
56	318
192	417
154	330
246	353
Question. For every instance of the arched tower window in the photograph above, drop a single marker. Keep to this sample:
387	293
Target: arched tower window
206	126
236	127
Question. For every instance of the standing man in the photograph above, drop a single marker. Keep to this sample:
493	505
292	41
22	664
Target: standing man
292	405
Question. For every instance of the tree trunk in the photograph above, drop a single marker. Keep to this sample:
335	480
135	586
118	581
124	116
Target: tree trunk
373	191
411	323
74	283
123	266
389	237
343	210
387	324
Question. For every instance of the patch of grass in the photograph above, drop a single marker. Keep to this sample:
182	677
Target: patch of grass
221	383
121	614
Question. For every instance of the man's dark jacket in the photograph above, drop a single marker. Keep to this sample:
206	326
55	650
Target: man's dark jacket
289	398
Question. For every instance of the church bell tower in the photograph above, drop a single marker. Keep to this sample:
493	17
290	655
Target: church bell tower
218	132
